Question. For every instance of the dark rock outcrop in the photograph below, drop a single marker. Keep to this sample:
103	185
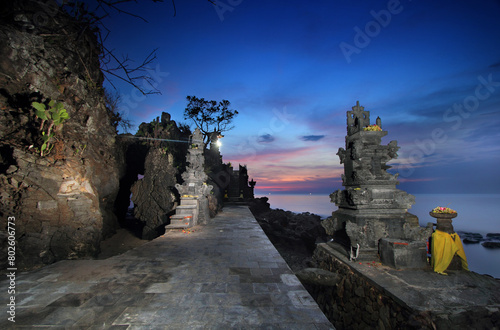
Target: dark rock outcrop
318	276
157	152
62	201
492	241
470	238
153	195
495	236
491	244
293	234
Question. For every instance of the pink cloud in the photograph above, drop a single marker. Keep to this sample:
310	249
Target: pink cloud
147	112
291	170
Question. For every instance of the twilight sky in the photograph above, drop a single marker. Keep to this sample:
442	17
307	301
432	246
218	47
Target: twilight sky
429	69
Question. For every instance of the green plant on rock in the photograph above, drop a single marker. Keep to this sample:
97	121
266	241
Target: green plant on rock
164	150
46	146
80	149
54	116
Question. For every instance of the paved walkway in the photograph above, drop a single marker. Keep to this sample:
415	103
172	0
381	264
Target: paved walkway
224	275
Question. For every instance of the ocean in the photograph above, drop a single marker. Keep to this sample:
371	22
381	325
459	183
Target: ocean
477	213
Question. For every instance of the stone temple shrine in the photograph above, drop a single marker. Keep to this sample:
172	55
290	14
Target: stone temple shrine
194	191
371	210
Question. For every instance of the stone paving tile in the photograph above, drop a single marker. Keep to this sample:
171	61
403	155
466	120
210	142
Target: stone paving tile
72	300
265	287
224	275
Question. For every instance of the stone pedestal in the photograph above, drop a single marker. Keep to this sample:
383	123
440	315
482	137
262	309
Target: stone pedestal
401	254
444	221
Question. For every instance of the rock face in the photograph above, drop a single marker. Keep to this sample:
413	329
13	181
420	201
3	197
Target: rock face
293	234
156	152
153	196
62	201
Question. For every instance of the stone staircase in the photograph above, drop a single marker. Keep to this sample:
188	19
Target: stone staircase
186	214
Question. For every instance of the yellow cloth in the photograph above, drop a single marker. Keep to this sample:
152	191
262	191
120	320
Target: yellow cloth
444	248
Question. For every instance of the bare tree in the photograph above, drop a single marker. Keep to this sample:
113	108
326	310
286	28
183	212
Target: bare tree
120	68
115	117
210	116
111	65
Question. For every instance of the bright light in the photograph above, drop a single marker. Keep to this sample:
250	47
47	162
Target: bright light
218	143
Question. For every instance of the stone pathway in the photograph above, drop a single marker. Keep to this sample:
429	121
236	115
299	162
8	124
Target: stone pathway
224	275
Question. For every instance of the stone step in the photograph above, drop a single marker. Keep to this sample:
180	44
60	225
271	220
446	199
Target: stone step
181	217
183	213
180	221
176	226
189	201
187	207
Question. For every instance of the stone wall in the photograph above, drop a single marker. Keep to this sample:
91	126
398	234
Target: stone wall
354	303
62	201
358	303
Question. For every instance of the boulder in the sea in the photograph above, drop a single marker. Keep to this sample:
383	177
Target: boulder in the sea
495	236
470	241
471	238
491	244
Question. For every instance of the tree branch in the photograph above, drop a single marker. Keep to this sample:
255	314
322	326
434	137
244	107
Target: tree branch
93	19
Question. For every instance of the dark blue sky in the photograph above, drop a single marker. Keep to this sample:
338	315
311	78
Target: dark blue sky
429	69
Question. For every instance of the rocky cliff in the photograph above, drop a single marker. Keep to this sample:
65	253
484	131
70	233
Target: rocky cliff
59	175
66	177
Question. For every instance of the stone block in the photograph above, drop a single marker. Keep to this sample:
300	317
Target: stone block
47	205
401	254
180	222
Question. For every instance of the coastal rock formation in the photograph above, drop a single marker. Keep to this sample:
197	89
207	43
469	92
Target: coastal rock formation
60	190
491	244
470	238
293	234
491	241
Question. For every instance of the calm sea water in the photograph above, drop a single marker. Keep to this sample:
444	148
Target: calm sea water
476	213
